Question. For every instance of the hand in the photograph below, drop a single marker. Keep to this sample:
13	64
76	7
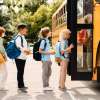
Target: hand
62	52
5	57
52	52
27	52
71	46
69	51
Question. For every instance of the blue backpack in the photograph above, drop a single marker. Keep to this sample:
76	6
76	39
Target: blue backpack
58	52
12	50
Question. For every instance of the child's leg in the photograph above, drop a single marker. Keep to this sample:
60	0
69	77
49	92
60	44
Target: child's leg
63	72
3	75
45	74
49	70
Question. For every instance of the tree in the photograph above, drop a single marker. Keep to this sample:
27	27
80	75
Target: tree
40	19
33	5
35	13
55	5
3	20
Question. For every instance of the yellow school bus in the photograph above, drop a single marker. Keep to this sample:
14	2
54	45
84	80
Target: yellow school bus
59	22
96	37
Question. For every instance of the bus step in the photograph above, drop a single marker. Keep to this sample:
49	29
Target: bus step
98	74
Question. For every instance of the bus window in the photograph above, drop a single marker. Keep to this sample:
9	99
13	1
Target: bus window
84	11
84	50
98	1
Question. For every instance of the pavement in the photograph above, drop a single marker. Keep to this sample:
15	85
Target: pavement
76	90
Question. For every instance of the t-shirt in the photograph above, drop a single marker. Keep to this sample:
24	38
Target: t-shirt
23	56
64	45
46	49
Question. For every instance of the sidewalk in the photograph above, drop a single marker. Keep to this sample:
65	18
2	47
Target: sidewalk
33	78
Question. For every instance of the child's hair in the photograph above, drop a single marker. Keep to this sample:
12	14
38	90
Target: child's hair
21	26
44	32
62	34
2	30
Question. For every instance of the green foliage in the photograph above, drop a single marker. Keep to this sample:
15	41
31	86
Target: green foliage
40	19
4	20
33	5
55	5
35	13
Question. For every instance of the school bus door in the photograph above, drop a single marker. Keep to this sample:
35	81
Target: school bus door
80	13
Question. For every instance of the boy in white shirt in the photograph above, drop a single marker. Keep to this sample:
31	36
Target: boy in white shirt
20	61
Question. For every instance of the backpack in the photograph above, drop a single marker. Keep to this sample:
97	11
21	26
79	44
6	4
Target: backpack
12	50
36	55
58	53
58	58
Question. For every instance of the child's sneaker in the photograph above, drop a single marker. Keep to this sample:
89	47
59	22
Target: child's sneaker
62	89
22	90
48	89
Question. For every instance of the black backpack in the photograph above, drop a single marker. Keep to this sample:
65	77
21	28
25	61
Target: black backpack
36	54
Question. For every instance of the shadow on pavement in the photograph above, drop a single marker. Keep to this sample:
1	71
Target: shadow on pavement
65	96
54	96
47	96
94	85
90	91
2	94
20	96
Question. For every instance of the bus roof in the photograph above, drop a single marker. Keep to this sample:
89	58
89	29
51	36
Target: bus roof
65	1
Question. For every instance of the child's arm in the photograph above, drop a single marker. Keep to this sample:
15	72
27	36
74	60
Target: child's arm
44	52
62	47
18	44
68	49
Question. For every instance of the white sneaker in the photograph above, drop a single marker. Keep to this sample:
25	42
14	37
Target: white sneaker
48	89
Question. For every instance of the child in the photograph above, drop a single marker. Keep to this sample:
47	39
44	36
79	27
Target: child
3	70
20	61
65	50
46	61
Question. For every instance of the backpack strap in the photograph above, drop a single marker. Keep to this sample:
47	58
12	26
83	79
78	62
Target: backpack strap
44	44
21	40
60	49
